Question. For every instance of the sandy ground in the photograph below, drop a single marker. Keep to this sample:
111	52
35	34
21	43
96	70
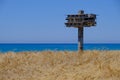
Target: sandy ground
48	65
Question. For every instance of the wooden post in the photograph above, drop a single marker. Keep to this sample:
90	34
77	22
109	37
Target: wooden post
80	39
80	21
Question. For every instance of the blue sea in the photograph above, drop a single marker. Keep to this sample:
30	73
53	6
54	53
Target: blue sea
55	47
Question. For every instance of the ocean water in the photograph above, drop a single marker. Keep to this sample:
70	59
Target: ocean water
55	47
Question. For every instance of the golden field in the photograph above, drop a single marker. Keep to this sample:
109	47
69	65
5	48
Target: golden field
48	65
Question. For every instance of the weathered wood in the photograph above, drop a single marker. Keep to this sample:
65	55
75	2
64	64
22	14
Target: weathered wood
80	38
76	20
80	21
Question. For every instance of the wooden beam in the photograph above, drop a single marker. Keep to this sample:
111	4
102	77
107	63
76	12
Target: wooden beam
80	38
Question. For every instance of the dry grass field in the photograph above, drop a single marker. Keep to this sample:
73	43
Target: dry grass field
48	65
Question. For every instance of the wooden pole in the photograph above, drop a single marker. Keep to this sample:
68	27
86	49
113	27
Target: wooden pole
80	39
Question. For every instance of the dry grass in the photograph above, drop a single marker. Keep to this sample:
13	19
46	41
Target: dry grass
47	65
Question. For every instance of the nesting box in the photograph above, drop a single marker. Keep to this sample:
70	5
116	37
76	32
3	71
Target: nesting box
80	20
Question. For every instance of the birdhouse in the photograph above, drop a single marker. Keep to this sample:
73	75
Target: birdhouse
80	21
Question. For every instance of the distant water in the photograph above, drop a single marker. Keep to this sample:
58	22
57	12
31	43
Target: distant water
55	47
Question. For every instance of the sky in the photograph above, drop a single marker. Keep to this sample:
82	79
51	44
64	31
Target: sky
42	21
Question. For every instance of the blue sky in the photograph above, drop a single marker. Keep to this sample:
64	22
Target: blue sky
42	21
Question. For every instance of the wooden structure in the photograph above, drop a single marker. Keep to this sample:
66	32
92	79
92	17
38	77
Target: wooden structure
80	21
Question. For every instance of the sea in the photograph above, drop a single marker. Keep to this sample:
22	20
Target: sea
56	47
